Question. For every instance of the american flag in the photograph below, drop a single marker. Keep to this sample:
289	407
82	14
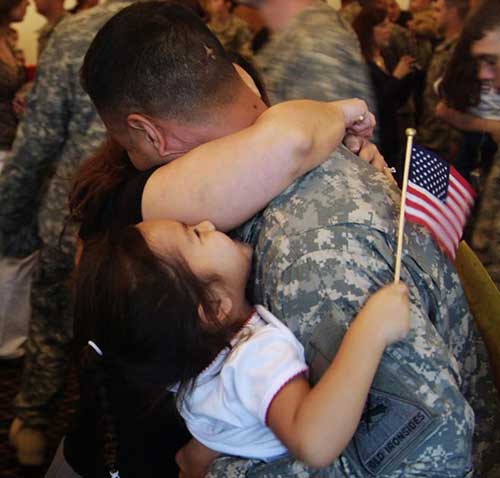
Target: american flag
438	198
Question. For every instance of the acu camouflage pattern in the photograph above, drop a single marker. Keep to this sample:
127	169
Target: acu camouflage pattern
316	57
486	235
434	133
235	35
46	31
59	130
321	248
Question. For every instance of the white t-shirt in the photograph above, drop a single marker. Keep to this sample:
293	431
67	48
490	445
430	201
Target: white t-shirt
226	411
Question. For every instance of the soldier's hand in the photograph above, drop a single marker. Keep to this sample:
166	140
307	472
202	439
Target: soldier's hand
389	312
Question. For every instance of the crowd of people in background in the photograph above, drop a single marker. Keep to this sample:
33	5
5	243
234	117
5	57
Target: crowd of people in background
424	68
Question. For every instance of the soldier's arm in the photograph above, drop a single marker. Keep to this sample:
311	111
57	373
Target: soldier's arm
40	136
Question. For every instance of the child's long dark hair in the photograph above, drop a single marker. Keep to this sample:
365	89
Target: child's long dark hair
143	313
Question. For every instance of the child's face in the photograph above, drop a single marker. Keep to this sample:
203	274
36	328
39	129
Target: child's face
207	251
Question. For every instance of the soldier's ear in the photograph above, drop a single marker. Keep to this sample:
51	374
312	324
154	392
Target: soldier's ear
145	129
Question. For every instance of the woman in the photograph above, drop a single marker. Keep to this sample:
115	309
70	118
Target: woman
392	88
12	74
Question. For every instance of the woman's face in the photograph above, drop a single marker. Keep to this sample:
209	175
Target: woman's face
18	12
382	33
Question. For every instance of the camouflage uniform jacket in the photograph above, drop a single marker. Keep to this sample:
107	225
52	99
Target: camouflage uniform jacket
316	57
486	236
46	31
59	130
434	133
322	247
235	35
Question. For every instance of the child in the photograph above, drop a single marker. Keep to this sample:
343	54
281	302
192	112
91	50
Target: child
164	304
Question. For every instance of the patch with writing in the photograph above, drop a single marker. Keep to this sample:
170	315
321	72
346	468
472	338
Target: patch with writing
388	427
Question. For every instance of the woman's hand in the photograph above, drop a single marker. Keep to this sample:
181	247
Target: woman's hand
404	67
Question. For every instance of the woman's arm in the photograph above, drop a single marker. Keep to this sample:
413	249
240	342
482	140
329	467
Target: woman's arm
317	424
230	179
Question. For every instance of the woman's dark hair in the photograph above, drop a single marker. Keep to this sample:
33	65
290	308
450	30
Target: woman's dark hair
96	180
143	313
364	24
461	87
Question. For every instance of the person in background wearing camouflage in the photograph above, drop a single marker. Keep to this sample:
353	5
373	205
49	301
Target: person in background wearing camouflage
232	31
484	25
60	129
53	11
423	22
321	248
313	54
434	133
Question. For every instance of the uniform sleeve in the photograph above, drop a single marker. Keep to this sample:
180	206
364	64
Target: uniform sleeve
40	136
261	366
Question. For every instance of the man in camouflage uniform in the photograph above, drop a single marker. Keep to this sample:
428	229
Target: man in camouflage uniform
321	248
434	133
60	129
54	12
485	25
313	54
233	32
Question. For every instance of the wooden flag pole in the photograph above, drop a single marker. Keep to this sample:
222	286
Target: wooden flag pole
410	134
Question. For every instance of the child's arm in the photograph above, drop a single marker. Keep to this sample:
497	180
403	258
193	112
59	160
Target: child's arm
230	179
194	459
317	424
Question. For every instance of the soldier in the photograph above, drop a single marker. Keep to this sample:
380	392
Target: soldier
484	24
321	248
314	53
434	133
60	129
233	32
53	11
